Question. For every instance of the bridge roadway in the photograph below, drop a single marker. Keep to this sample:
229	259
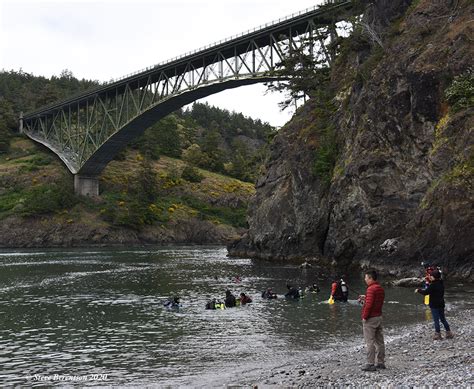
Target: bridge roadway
87	130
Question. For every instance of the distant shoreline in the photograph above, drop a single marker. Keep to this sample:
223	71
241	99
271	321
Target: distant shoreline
322	266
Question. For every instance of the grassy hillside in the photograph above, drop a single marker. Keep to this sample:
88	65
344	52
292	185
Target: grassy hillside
171	185
138	197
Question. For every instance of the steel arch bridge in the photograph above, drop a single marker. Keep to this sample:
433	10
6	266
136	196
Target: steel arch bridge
87	130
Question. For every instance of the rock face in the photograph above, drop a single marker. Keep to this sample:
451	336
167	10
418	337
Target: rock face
288	217
404	169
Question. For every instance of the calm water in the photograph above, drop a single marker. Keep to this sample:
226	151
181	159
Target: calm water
98	314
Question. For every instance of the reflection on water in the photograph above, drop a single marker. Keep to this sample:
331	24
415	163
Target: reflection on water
82	312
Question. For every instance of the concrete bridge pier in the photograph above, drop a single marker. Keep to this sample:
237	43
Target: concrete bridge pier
86	186
20	123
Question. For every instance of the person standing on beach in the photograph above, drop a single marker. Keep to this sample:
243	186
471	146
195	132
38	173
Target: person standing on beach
372	322
435	290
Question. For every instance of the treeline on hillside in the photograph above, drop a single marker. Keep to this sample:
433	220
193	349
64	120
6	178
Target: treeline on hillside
230	124
210	138
204	136
21	91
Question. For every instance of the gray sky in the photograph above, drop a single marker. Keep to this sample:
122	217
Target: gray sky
104	39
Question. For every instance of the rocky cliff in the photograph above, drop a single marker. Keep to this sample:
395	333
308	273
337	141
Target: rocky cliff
401	188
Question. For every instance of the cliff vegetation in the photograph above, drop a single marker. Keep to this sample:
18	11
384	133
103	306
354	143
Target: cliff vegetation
376	169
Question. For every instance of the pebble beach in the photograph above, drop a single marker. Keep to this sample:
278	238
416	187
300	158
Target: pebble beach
413	360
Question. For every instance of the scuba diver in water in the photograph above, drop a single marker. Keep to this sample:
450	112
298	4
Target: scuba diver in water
268	294
244	299
313	288
293	293
172	303
211	304
237	279
214	304
339	290
229	301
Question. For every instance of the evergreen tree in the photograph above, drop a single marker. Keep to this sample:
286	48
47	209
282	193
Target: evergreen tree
303	73
4	138
167	137
7	115
210	147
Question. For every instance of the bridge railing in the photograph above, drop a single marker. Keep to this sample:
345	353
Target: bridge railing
255	29
100	87
225	40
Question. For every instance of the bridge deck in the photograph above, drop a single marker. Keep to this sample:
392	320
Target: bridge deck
229	48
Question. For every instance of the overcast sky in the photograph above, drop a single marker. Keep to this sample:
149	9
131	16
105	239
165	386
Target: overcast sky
104	39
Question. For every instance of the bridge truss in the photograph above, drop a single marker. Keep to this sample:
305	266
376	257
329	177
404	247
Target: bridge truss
87	130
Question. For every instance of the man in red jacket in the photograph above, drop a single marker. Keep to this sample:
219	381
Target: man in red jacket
372	322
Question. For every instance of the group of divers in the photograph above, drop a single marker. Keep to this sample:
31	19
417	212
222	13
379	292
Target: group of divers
339	292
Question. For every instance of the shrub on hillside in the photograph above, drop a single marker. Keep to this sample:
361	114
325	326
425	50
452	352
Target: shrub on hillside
194	155
191	174
44	199
460	93
35	163
127	211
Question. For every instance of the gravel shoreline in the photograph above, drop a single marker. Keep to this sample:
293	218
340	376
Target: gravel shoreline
413	360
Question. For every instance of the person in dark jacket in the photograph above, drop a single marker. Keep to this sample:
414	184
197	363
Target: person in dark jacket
435	290
229	299
372	322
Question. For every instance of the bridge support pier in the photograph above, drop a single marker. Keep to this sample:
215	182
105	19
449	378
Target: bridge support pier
86	186
20	123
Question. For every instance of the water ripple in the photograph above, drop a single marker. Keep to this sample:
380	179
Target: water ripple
83	312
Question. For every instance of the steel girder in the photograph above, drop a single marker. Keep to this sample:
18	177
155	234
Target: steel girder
88	130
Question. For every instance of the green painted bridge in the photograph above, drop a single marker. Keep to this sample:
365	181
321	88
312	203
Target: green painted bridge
88	130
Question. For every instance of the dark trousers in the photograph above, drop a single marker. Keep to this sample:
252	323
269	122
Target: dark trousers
438	314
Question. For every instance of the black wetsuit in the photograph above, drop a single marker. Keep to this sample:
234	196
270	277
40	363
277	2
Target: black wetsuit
293	293
230	301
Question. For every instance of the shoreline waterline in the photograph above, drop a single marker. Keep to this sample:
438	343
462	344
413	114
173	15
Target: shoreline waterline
413	359
73	313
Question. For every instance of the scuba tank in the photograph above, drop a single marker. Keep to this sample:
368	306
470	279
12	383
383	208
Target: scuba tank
301	293
344	287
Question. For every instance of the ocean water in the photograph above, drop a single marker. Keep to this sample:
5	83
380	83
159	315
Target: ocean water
96	316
